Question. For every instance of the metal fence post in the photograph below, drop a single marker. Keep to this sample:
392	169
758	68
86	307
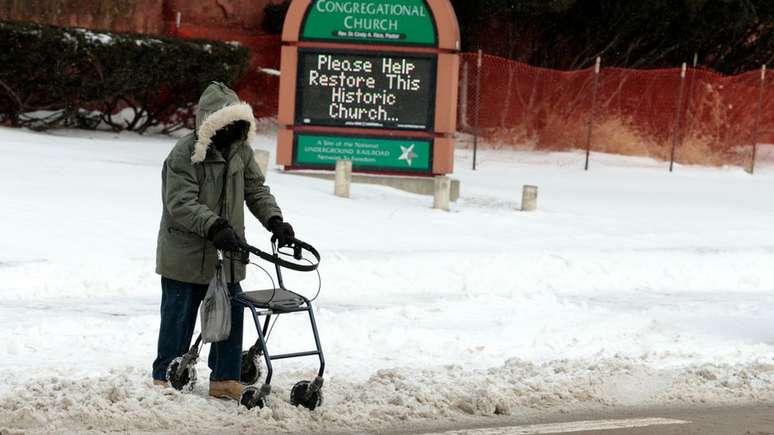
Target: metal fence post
597	68
478	107
757	123
676	135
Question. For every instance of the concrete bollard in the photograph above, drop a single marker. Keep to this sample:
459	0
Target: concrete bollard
343	178
262	158
442	193
529	197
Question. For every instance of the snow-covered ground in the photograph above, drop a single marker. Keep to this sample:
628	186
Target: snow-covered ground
631	286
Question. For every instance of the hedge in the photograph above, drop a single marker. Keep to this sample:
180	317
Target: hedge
70	77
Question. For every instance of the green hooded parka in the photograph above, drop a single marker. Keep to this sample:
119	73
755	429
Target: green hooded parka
193	194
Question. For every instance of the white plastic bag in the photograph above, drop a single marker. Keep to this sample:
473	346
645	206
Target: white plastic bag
215	311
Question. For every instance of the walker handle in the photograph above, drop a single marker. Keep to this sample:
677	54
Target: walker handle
298	248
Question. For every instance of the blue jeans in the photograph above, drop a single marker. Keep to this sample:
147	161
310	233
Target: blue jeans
179	309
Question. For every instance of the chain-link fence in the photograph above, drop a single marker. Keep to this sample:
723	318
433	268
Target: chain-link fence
689	115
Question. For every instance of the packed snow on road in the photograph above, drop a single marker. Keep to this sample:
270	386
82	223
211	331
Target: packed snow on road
630	286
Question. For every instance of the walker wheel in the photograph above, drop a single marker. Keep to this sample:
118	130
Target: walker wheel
251	398
186	380
300	395
251	367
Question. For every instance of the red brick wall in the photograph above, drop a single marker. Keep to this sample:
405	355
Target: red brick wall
143	16
236	15
235	20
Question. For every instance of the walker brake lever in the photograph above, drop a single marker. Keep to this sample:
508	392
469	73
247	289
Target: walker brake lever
298	251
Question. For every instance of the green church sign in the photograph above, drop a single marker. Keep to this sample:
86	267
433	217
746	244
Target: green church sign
375	153
374	82
370	21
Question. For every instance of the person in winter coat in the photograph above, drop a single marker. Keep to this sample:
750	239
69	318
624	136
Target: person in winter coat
207	178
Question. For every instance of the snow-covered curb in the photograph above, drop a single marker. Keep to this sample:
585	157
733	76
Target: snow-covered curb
125	400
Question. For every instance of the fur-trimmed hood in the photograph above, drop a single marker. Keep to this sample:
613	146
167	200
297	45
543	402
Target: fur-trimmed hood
219	106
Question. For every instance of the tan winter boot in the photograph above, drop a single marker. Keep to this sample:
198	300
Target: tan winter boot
158	383
226	389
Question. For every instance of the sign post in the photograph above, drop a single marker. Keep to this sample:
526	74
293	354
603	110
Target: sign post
370	81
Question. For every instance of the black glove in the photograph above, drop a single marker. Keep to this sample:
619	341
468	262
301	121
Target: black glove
283	231
223	236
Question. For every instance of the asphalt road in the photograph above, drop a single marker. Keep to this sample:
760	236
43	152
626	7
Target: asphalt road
743	420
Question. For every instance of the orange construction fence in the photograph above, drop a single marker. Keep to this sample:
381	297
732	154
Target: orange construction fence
696	115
